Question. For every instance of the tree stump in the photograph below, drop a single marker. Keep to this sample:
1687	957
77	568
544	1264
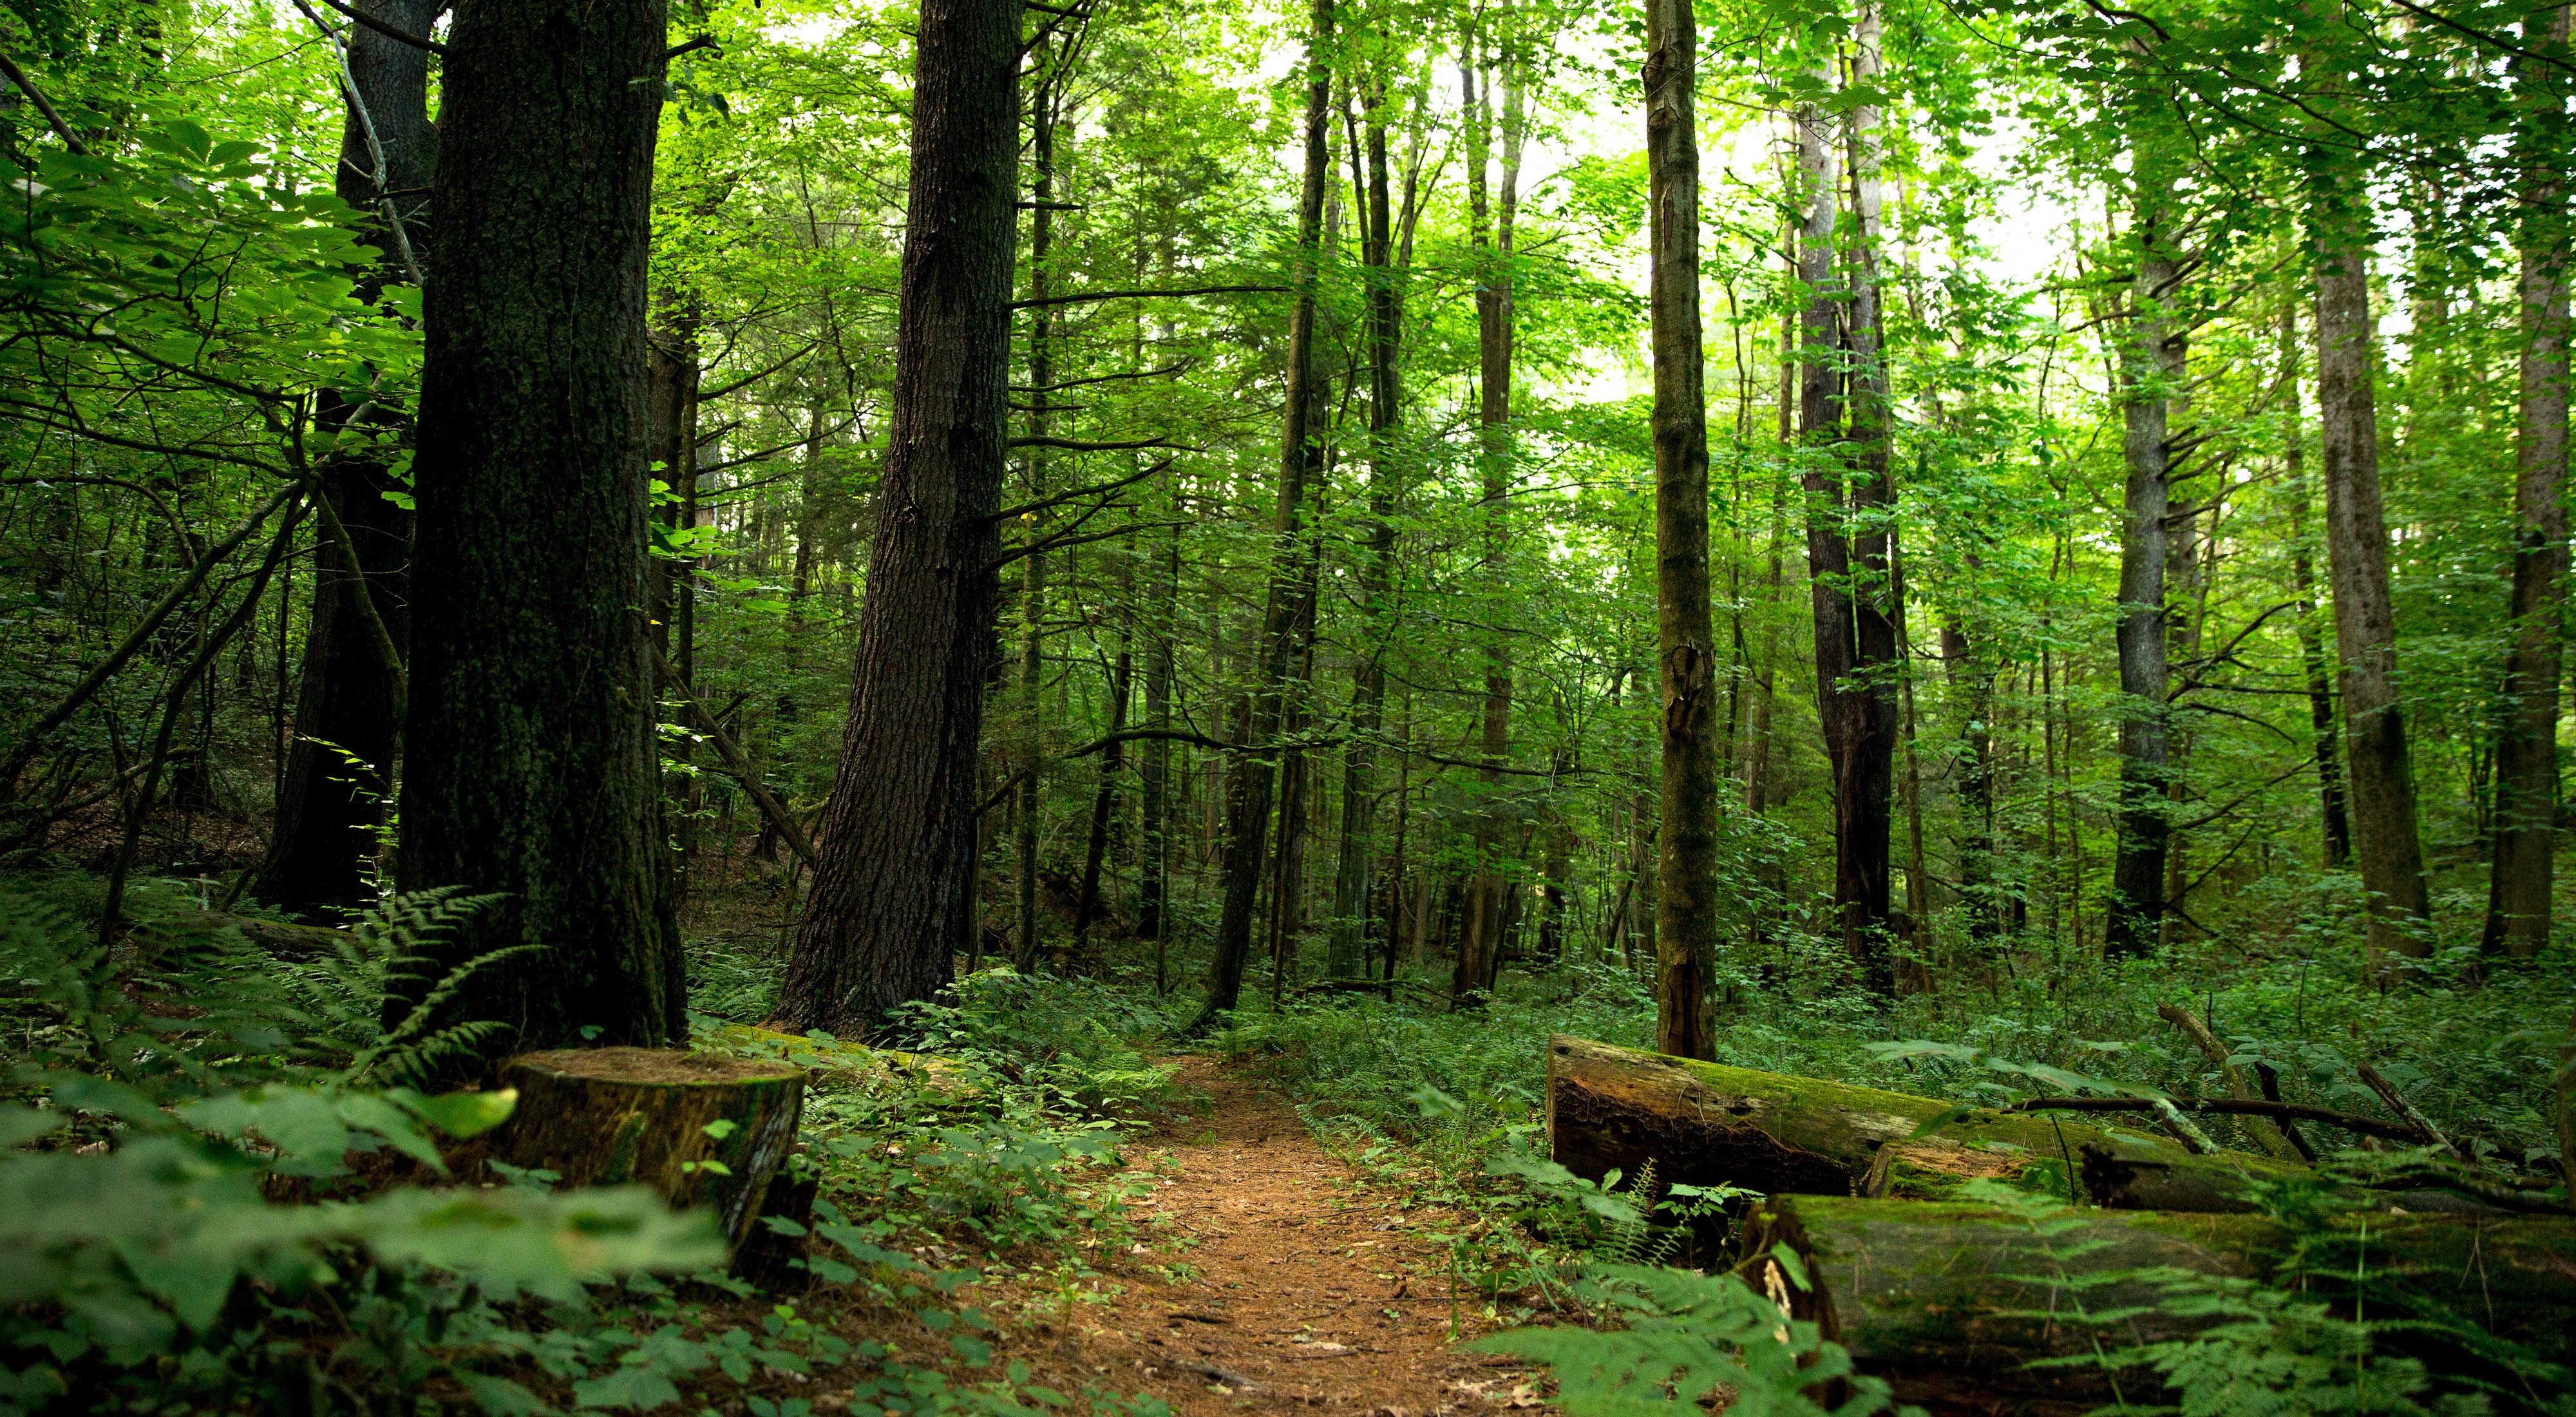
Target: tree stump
700	1128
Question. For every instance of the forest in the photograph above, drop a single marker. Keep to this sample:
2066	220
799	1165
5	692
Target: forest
784	707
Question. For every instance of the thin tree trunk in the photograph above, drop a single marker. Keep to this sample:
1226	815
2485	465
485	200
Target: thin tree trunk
2526	772
1113	760
1693	775
1480	950
339	771
533	770
1347	949
2153	365
1249	777
1026	820
889	900
1154	781
2375	739
2335	827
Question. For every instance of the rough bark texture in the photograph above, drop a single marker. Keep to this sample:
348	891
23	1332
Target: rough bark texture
1251	774
2526	768
604	1116
340	768
1694	772
2154	367
533	770
2385	844
890	897
1950	1301
1705	1124
1864	777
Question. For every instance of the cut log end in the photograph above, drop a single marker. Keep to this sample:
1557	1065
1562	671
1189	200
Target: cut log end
701	1128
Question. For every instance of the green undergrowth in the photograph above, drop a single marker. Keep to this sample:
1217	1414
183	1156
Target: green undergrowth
221	1192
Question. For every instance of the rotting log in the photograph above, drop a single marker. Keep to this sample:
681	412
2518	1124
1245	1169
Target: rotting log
1949	1301
1706	1124
700	1128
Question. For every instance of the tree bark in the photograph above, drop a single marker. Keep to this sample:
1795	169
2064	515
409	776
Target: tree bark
2153	366
890	897
1693	774
2389	852
1113	761
2335	828
1347	947
1026	824
1952	1302
2526	771
605	1116
339	772
1250	775
1864	781
532	766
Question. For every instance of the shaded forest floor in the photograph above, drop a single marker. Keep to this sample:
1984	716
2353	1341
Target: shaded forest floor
1265	1275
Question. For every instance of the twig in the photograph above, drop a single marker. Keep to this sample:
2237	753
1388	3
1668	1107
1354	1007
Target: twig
37	97
2265	1131
1088	296
2224	1106
2425	1131
737	766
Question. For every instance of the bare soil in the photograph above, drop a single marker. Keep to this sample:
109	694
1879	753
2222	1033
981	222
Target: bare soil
1267	1276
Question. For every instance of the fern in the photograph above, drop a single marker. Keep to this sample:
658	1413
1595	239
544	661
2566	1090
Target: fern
341	998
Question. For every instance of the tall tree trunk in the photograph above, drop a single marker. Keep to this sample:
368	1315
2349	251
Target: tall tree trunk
340	768
1693	774
2153	365
2334	826
1347	948
1026	826
1480	953
1864	783
1154	781
1249	777
2385	843
533	770
1113	760
889	899
2518	896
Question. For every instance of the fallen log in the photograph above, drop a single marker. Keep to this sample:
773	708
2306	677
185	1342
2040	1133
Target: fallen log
1706	1124
700	1128
1950	1300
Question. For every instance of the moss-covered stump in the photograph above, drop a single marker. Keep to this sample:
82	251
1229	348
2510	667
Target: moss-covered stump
701	1128
1950	1300
1705	1124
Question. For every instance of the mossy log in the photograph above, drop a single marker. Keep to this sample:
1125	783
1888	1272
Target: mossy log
1950	1301
701	1128
1706	1124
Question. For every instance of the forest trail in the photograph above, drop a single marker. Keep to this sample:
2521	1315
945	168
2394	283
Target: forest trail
1311	1289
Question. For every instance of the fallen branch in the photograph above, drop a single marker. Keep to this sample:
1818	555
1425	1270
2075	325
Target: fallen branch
2269	1131
736	765
2224	1106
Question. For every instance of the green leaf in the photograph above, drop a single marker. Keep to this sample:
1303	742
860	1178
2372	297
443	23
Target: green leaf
21	1125
463	1115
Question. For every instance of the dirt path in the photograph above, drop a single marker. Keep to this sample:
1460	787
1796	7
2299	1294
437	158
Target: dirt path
1296	1286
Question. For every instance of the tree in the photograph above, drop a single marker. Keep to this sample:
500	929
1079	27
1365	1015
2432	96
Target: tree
2526	772
889	901
1693	771
1253	768
532	769
339	773
2153	367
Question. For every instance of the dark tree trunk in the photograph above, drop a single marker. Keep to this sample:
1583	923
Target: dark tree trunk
1973	678
331	796
1154	781
890	895
1693	773
1113	760
1864	781
2518	898
1250	776
1027	826
532	766
2154	362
